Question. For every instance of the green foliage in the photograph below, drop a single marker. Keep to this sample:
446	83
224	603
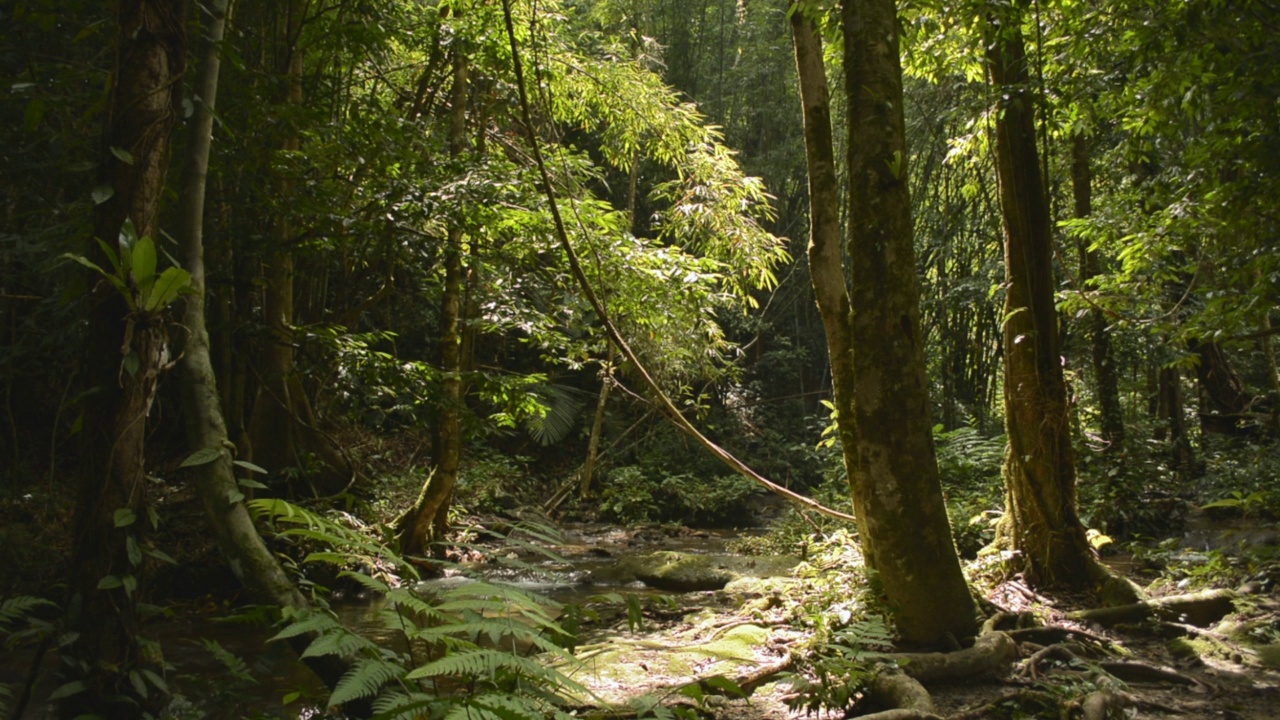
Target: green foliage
629	495
969	464
849	630
19	624
133	272
466	643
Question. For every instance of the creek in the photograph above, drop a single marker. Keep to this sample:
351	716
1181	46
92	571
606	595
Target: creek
590	561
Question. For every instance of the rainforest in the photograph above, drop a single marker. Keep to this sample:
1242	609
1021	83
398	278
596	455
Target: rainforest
639	359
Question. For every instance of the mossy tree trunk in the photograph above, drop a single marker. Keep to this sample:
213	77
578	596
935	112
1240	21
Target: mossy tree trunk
124	358
873	330
1041	522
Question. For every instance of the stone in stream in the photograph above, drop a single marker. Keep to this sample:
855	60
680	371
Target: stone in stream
681	572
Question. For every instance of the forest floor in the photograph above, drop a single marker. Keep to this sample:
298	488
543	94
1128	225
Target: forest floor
1227	669
1217	679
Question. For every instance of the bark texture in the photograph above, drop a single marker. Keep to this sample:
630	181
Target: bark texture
1041	522
873	329
125	354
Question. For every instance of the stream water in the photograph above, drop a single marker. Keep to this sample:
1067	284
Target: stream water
582	567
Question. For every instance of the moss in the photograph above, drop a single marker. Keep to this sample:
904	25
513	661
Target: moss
1184	648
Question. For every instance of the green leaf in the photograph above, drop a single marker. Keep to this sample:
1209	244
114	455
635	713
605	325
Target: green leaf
202	456
139	686
726	685
102	193
66	690
110	582
160	555
157	681
249	466
124	517
122	155
290	697
246	482
171	283
34	114
144	267
134	552
130	584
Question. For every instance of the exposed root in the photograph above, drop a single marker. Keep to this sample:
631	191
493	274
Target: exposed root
1031	667
1021	697
991	654
902	695
1054	635
1137	672
1200	609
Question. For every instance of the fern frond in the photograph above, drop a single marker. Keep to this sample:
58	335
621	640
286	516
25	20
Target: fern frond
235	666
370	583
508	595
18	607
478	663
341	642
365	678
406	599
308	622
409	706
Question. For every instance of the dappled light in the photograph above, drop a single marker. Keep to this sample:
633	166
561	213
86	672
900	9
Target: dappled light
644	360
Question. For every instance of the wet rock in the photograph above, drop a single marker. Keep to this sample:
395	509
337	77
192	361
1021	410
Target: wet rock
681	572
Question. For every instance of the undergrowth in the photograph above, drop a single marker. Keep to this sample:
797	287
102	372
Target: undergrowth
466	647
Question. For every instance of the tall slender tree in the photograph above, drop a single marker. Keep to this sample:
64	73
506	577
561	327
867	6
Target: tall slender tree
427	519
873	325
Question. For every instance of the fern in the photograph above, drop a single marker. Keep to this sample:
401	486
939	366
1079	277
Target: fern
17	608
394	705
365	678
307	621
232	663
341	642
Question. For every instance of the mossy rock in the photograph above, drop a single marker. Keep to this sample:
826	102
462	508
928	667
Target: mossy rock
681	572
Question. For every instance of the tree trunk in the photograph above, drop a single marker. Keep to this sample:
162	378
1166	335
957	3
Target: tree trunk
1223	397
124	354
233	528
1041	522
282	427
427	520
1104	366
1174	427
597	425
874	335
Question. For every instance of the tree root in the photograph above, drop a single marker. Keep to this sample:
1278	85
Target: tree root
1021	697
1136	672
1200	609
990	654
903	695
